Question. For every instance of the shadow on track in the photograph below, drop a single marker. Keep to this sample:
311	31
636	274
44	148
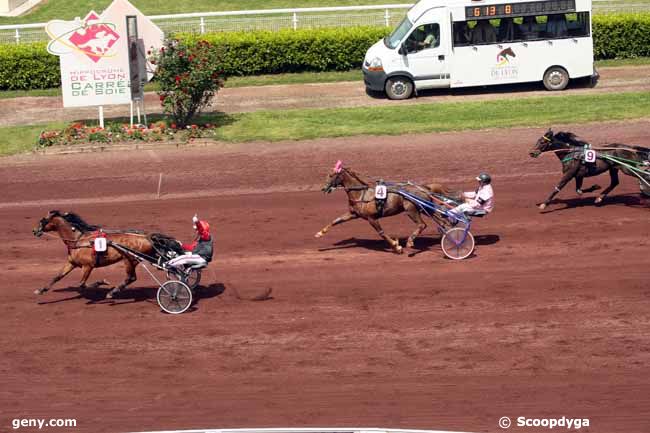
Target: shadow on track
132	295
631	200
422	244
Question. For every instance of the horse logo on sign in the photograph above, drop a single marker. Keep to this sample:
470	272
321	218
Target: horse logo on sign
91	37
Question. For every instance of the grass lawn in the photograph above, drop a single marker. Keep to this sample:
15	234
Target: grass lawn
396	120
69	9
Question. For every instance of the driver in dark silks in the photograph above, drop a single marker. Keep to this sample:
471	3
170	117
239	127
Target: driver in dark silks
202	244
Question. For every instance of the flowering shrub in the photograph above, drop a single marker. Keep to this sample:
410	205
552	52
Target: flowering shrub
78	133
189	77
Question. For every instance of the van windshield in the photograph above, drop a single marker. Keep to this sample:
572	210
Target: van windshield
393	40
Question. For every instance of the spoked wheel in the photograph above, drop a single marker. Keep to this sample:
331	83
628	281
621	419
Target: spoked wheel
192	278
174	297
457	244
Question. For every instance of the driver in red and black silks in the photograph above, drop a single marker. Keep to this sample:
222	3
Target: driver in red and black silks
202	244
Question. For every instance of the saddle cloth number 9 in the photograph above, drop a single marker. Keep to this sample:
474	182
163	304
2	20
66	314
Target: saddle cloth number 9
100	245
590	155
380	192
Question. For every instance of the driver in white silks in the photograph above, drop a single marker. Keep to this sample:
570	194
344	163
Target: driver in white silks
480	201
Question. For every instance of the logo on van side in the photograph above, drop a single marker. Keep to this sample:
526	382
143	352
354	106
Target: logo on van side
505	69
504	55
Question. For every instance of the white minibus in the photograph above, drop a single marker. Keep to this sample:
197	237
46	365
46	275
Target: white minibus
461	43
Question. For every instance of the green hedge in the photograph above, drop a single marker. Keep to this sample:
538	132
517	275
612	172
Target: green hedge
29	66
262	52
621	36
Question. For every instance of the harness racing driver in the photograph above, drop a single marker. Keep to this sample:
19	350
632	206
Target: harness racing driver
480	201
202	244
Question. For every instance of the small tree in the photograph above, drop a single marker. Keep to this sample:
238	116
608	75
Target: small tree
189	76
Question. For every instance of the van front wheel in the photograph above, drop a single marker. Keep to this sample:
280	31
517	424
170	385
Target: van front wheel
398	88
556	78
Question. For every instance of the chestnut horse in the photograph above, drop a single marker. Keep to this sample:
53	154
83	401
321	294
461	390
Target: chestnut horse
78	236
362	203
570	151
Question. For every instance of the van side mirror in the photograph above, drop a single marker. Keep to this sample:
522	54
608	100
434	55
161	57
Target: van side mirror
402	49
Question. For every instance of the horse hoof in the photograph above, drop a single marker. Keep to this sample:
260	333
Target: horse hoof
579	191
111	294
318	235
399	249
542	206
409	244
598	200
40	291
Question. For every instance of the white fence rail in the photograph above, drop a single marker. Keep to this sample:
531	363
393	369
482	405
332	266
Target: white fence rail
276	19
266	19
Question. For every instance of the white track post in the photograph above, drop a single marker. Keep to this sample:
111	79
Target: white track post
159	184
202	25
295	21
387	18
144	114
137	107
101	116
17	36
131	105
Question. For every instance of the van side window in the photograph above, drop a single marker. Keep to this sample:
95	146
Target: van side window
462	33
578	24
506	32
484	33
521	28
423	37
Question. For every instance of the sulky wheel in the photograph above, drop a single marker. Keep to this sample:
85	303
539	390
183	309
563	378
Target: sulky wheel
457	244
174	297
192	277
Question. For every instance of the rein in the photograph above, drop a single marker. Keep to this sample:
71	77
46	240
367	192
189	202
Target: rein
71	244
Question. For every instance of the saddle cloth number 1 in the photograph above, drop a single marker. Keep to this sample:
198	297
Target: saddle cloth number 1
100	245
380	192
590	155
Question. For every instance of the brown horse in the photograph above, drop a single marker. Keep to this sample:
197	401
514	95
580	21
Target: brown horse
362	203
78	236
570	151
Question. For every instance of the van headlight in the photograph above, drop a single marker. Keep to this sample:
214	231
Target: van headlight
375	65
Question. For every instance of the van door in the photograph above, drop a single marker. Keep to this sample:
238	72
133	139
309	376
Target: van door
427	52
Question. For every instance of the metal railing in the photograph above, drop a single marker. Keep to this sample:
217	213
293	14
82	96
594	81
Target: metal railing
277	19
265	19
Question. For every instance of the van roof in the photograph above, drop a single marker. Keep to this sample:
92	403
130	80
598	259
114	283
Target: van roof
418	9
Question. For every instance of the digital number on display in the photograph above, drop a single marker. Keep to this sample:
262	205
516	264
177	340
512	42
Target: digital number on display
520	9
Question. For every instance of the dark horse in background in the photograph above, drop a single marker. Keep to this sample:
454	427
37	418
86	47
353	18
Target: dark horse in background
78	237
570	151
362	203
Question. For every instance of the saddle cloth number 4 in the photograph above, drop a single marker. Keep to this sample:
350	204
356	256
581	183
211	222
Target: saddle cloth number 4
100	245
590	155
380	192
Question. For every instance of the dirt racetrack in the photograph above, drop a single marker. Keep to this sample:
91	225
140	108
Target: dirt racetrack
550	318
